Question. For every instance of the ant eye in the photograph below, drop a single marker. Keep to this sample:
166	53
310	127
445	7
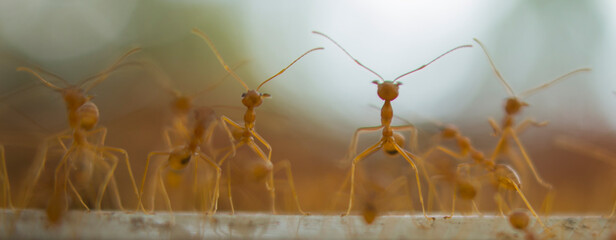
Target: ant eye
243	94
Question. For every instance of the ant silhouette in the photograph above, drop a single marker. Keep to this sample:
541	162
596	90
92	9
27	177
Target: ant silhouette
246	135
81	156
180	157
508	128
389	143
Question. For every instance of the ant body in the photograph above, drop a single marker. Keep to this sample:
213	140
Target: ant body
81	156
246	135
390	142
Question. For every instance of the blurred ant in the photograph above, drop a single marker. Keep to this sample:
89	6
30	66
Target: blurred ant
246	135
180	157
81	156
181	106
508	128
390	142
519	220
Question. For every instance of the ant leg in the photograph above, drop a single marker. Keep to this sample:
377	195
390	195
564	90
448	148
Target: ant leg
41	155
517	189
145	173
70	184
412	135
214	203
355	139
265	143
613	210
527	122
431	189
229	188
167	200
103	137
495	128
130	171
285	164
528	161
501	203
358	158
5	178
339	192
167	137
103	187
208	138
548	202
444	150
269	184
225	121
408	159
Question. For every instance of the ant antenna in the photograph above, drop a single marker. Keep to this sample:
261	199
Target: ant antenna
100	77
211	45
508	88
284	69
348	54
425	65
545	85
45	82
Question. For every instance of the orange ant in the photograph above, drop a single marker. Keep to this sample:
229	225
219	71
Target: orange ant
246	135
390	142
180	157
81	156
513	106
502	176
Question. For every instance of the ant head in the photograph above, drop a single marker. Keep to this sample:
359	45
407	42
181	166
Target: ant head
179	158
513	105
465	190
88	115
74	97
181	104
519	219
387	90
449	131
252	98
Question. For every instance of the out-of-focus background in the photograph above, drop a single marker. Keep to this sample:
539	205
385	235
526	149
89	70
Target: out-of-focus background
319	102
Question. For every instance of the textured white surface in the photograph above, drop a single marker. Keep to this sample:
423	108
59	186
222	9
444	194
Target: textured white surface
119	225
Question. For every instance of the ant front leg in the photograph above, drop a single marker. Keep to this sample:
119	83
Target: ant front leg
145	173
164	191
286	165
527	122
414	166
358	158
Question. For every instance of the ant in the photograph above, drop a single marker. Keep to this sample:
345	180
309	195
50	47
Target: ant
508	128
246	135
81	156
390	142
180	157
502	176
520	220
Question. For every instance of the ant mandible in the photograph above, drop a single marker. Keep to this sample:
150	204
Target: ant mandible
246	135
390	142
